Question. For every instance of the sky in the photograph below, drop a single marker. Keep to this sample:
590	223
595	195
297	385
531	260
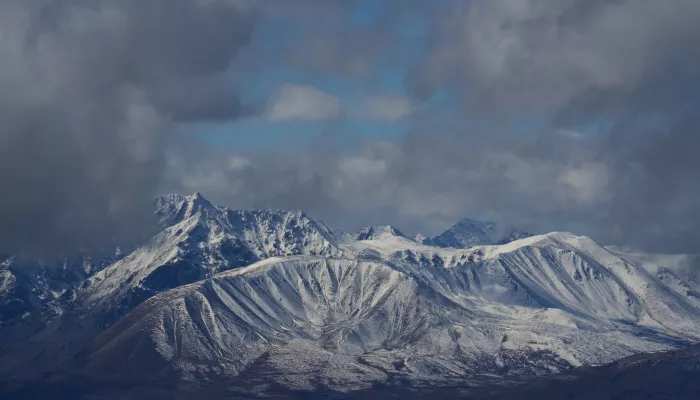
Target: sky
362	94
545	115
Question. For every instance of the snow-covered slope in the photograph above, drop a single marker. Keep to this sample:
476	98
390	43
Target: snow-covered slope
199	240
469	233
32	292
433	316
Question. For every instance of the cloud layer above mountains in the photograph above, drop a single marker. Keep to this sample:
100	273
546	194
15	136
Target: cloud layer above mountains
89	91
574	115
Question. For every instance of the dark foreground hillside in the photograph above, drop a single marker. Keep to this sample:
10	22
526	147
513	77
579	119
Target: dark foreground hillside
668	375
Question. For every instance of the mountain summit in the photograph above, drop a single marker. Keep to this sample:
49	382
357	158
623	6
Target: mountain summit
468	233
377	232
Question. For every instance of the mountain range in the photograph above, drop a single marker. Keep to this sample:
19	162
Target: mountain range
269	300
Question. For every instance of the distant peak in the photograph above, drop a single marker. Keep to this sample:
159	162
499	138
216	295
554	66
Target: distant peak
422	239
474	222
469	232
376	232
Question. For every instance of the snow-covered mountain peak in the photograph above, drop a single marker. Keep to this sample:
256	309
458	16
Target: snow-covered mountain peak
196	199
377	233
199	239
175	208
468	233
421	239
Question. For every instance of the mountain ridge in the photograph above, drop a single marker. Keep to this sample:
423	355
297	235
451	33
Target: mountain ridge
243	289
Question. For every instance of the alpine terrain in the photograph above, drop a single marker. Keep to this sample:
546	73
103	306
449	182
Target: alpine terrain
264	301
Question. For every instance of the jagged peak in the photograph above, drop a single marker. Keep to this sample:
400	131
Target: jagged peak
376	232
197	197
175	199
421	239
194	198
175	208
198	202
468	232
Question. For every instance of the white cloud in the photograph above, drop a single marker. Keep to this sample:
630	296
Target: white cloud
238	163
294	102
589	182
389	108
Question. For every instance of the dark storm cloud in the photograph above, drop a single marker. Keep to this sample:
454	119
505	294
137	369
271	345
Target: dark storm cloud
88	92
630	66
612	86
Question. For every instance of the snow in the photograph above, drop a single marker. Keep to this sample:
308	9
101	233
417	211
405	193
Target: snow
212	239
534	305
279	295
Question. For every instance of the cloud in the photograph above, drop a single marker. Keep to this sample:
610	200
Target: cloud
90	90
546	53
612	85
589	182
328	43
621	73
294	102
388	108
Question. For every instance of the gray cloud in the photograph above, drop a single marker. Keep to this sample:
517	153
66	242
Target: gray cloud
389	108
422	183
296	102
630	67
329	41
547	53
89	92
302	103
